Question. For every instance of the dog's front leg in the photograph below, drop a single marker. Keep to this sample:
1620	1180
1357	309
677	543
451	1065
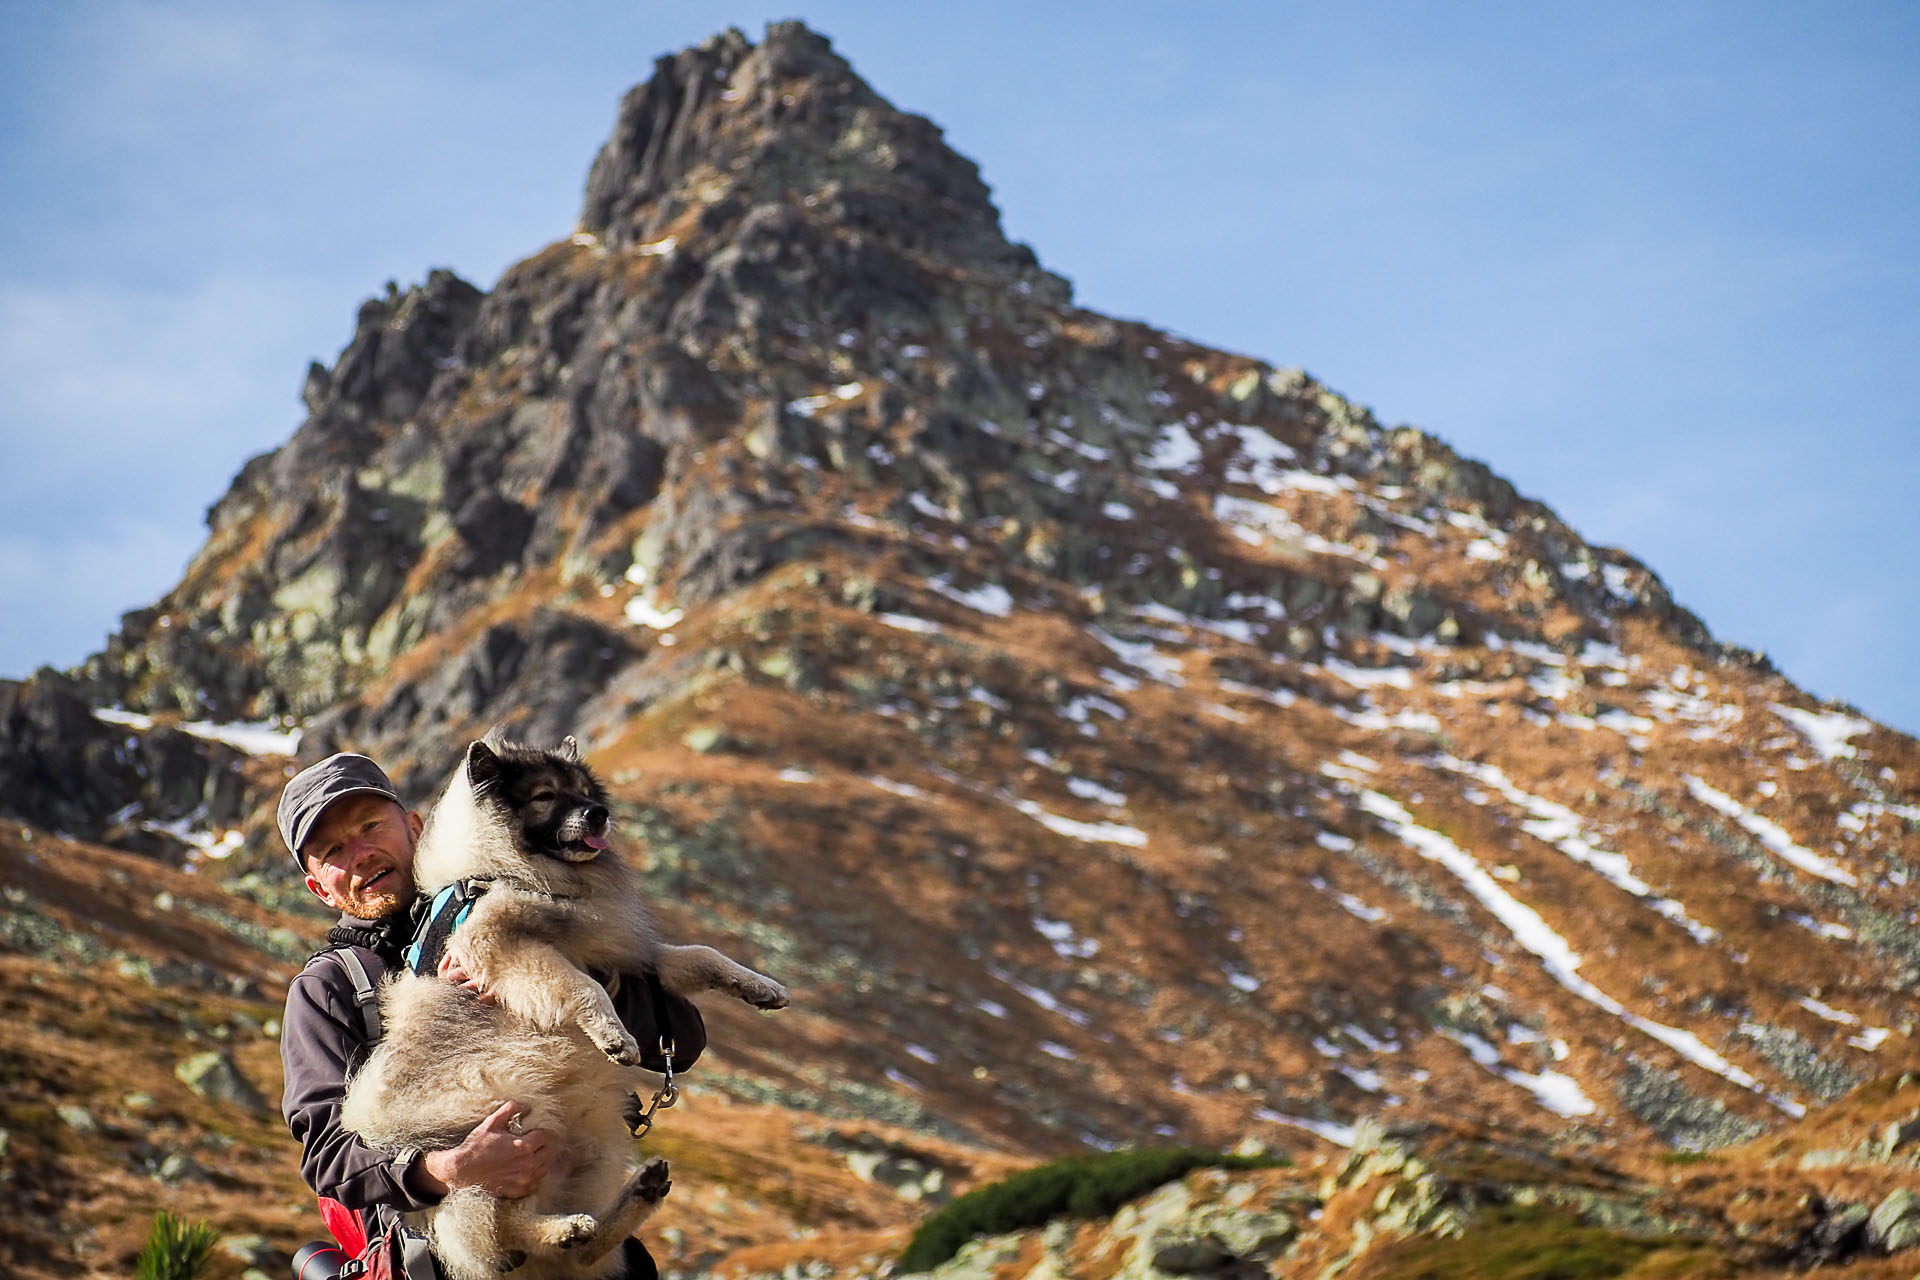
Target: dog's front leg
690	970
535	981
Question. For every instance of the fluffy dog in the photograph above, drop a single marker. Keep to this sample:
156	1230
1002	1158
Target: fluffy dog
560	902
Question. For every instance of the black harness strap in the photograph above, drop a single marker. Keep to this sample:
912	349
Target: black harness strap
447	909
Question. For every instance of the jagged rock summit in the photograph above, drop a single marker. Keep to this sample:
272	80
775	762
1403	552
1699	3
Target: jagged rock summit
780	139
752	204
1108	738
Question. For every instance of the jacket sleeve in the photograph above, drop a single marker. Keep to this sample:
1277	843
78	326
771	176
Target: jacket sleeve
636	998
318	1038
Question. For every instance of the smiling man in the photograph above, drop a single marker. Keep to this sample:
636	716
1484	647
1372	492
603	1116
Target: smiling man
353	840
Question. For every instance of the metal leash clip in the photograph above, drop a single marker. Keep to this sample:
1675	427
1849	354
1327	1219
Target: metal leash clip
663	1097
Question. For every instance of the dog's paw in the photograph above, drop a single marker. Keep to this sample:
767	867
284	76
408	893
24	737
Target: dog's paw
762	992
613	1040
651	1183
572	1231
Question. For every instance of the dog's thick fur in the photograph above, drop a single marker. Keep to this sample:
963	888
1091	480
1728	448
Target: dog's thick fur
560	902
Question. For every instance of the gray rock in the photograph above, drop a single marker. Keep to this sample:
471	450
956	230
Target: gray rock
904	1175
178	1168
1182	1254
1416	612
1895	1223
1897	1134
1218	1235
705	739
62	768
77	1118
254	1251
1688	1121
1248	1234
214	1077
1839	1234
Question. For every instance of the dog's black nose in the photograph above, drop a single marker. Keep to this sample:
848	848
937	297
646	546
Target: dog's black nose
596	816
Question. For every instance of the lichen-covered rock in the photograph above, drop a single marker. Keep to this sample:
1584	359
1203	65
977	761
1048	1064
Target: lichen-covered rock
214	1076
1895	1223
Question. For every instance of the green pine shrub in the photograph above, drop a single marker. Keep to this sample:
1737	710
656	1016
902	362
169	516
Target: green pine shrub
174	1249
1077	1187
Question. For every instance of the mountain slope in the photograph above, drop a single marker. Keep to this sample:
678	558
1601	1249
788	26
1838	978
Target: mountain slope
1107	738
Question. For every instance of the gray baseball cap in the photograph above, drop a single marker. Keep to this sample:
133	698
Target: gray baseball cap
319	785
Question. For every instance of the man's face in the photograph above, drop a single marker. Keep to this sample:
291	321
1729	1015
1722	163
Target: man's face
359	856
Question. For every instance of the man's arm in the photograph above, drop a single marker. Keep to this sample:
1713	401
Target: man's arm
318	1036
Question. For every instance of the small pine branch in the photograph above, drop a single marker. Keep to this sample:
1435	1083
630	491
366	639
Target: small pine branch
175	1250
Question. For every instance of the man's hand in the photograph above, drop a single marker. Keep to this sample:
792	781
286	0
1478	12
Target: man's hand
493	1157
455	968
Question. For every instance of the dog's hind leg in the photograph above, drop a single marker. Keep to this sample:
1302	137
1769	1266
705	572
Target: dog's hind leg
526	1231
690	970
475	1237
632	1206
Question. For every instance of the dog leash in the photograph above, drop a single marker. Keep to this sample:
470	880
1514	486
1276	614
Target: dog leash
665	1096
668	1093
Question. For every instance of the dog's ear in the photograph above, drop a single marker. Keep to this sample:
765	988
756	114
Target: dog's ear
570	749
483	766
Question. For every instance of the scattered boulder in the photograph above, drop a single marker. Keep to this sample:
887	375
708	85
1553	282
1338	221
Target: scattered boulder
213	1076
908	1173
1218	1236
1895	1224
1838	1233
176	1168
254	1251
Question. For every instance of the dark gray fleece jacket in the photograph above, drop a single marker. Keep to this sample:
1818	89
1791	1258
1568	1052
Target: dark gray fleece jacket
322	1035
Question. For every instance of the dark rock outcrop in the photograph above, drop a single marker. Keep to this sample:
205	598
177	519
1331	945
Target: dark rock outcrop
64	769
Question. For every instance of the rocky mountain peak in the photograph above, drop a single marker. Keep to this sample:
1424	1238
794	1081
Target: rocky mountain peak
729	138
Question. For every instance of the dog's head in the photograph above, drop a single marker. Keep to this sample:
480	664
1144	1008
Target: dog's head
550	800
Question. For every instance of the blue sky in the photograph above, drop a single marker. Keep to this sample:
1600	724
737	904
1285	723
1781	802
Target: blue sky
1655	263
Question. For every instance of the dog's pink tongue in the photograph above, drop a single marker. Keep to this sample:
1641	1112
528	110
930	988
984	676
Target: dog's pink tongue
594	842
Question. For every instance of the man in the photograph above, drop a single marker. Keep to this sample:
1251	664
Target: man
354	841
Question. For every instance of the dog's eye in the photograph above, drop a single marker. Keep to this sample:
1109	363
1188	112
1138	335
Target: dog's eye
541	796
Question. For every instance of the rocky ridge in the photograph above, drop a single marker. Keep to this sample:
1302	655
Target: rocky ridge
1106	736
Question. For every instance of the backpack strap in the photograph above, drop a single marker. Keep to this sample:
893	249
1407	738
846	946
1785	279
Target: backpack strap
396	1251
366	997
415	1258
